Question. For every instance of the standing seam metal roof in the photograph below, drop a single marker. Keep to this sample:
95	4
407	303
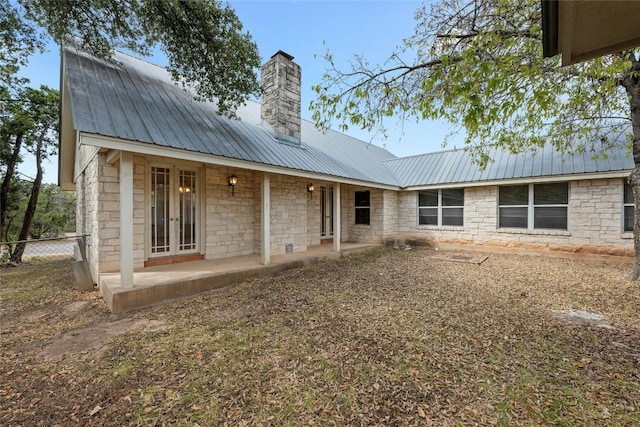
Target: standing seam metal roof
135	100
457	166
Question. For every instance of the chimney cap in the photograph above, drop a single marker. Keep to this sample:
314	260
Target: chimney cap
283	53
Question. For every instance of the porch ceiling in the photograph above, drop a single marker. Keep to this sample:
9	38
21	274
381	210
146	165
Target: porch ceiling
585	29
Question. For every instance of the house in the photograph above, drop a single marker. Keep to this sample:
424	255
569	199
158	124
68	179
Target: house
163	179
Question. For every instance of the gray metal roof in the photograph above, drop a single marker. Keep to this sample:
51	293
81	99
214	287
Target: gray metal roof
135	100
457	166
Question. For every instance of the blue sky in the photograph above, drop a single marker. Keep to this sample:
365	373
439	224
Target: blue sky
305	30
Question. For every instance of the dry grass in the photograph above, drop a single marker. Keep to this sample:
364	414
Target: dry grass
388	338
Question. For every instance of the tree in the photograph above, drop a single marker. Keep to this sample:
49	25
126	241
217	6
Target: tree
479	65
40	138
19	190
203	39
55	212
19	39
28	124
16	123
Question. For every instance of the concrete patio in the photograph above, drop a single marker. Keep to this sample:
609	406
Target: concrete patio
154	285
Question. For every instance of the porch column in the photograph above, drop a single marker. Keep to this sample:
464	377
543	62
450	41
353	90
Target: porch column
336	217
266	218
126	219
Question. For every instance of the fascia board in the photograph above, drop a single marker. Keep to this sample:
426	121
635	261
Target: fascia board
154	150
526	180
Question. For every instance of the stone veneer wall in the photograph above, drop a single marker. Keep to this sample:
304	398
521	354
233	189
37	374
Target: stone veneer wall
230	222
594	222
108	196
352	232
289	213
87	213
281	100
80	205
390	213
91	220
92	200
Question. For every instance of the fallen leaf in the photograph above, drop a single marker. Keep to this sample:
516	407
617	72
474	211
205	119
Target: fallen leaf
421	413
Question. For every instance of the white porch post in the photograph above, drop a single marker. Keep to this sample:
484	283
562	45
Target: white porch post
266	218
126	219
336	218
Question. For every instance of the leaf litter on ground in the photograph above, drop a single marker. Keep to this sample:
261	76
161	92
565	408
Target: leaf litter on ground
382	338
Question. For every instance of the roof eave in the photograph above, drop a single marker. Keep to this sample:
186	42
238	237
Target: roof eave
534	180
143	148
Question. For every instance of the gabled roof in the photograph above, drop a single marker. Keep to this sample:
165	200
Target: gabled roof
457	167
135	100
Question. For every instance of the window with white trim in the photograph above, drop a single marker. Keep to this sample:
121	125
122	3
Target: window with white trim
628	207
534	206
441	207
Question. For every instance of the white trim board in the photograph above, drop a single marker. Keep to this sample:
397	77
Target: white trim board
175	153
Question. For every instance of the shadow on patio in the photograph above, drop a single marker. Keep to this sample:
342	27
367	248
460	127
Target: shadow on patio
154	285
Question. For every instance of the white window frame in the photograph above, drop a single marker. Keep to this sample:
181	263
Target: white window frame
531	206
440	208
625	205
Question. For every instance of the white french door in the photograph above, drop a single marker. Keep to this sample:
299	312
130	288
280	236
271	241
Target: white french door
173	209
326	211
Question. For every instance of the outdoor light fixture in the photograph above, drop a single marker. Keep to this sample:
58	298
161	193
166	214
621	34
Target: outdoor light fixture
310	188
233	180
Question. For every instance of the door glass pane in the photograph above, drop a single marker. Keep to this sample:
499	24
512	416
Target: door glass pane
160	186
323	211
331	211
187	219
326	211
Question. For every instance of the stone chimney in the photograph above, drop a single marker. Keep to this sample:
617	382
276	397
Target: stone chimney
281	96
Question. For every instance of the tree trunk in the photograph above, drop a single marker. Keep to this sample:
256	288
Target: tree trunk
6	181
30	212
632	86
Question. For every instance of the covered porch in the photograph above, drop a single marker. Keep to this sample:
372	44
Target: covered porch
154	285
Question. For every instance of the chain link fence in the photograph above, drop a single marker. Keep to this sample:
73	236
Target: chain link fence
56	247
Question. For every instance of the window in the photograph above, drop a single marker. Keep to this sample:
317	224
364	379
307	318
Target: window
628	207
363	207
534	206
441	207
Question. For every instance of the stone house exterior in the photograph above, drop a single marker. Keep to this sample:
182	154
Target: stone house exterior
162	178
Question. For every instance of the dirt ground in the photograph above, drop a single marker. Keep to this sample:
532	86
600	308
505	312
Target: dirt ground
393	337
